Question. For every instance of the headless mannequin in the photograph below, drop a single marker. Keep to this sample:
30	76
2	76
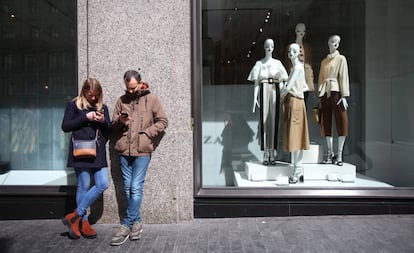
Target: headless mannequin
343	89
304	57
267	74
292	95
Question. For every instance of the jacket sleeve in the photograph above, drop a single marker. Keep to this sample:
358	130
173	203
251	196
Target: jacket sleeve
116	124
106	125
160	120
343	78
73	118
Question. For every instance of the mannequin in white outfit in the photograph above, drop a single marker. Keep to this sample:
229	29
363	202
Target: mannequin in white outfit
267	74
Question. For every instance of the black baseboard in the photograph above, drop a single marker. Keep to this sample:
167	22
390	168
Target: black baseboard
35	207
36	202
233	208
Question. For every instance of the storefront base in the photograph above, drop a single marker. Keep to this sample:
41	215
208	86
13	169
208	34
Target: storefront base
36	202
231	208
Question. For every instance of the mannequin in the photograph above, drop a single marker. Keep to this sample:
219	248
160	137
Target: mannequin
333	89
295	124
267	74
304	57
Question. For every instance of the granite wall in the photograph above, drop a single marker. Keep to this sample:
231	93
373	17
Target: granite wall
153	36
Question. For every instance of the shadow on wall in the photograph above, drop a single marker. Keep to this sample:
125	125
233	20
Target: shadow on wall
117	180
96	210
5	244
236	137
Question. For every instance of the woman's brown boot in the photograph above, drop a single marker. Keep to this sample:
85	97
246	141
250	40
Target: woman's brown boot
72	222
86	230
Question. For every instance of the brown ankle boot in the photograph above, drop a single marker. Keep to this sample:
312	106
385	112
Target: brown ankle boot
72	222
86	230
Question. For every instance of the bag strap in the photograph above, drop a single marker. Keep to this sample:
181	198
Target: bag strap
96	137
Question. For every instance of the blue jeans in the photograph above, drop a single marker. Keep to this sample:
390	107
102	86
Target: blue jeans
133	171
86	195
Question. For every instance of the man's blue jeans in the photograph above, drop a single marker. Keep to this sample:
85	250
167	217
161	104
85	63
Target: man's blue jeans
133	171
85	196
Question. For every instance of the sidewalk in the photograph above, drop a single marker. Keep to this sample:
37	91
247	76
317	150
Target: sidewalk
377	233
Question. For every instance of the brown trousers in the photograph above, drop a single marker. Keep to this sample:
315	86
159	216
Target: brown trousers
328	107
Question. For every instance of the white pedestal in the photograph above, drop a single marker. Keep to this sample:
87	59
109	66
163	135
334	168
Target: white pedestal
260	172
313	155
330	172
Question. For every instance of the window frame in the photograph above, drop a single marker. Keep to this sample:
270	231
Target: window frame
201	192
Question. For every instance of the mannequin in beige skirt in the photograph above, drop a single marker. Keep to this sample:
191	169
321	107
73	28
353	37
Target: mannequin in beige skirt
295	124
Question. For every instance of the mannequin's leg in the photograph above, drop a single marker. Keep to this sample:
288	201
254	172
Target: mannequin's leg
272	155
341	142
273	125
266	128
297	167
329	141
266	157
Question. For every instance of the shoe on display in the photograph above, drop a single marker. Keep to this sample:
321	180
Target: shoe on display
329	159
297	176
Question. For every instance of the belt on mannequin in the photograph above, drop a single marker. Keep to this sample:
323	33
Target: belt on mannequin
269	80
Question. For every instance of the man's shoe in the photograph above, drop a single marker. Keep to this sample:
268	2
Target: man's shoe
86	230
136	231
72	222
121	236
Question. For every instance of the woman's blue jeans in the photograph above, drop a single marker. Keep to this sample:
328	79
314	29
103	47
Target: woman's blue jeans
86	195
134	169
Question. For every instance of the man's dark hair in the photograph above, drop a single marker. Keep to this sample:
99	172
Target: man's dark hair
132	73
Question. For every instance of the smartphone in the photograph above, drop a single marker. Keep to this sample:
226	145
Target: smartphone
124	114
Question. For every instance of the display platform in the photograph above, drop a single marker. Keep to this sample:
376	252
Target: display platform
240	179
314	174
256	171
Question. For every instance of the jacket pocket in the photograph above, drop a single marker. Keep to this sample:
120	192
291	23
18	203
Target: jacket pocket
122	142
145	144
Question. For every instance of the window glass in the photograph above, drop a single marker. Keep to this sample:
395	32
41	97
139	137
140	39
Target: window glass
376	44
38	75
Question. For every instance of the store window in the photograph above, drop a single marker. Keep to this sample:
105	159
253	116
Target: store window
377	45
38	75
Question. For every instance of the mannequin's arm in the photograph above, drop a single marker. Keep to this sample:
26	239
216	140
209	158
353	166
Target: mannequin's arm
256	95
344	102
285	90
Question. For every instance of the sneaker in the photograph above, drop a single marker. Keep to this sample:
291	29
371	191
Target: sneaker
136	231
121	236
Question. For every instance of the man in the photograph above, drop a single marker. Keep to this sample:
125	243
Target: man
138	124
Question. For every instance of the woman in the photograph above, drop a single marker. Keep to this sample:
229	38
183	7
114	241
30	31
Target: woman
87	118
295	124
266	74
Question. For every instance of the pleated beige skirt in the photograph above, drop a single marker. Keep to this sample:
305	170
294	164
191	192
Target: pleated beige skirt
295	124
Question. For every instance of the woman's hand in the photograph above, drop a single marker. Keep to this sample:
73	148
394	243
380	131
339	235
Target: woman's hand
95	116
99	117
90	116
